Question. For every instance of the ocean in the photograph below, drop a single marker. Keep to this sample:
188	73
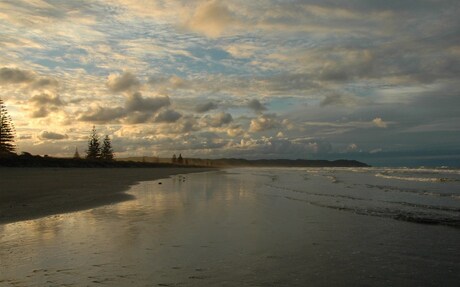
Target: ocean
252	227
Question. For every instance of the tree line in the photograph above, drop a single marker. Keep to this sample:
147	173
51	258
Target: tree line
7	131
95	150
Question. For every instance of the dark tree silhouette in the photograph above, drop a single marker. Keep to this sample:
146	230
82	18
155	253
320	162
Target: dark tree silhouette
174	158
180	160
76	155
107	151
7	131
94	147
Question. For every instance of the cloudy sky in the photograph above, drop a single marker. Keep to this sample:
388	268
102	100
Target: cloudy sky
376	81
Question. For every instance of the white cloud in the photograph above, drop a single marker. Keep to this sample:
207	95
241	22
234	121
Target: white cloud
378	122
212	18
263	123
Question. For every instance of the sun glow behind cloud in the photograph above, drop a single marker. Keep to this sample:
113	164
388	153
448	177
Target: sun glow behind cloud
295	79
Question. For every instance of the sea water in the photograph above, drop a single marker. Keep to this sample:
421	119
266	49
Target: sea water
252	227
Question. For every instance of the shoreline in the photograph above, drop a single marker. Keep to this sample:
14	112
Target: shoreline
30	193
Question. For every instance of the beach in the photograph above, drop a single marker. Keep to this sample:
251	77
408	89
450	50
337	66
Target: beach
27	193
250	227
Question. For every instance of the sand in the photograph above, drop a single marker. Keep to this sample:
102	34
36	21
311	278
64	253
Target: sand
28	193
228	228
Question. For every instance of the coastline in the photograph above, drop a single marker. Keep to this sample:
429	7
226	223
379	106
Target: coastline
29	193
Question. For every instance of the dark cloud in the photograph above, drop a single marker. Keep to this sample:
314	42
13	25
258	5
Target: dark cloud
136	102
122	83
338	99
43	83
157	81
137	110
138	117
218	120
101	114
45	135
186	124
287	82
167	116
27	79
47	99
25	136
205	107
15	76
256	106
43	104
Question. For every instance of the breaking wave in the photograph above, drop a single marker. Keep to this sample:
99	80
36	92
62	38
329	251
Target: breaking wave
410	178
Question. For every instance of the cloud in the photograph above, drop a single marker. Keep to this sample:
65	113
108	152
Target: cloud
15	76
102	114
28	80
256	106
235	131
167	116
357	61
202	108
184	125
341	99
137	110
46	99
242	50
136	102
352	147
45	135
43	104
138	117
218	120
263	123
122	83
270	147
44	83
212	18
378	122
377	150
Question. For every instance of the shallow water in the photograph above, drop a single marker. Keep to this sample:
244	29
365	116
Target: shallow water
251	227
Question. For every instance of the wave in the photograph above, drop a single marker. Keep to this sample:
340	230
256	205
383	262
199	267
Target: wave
397	214
411	178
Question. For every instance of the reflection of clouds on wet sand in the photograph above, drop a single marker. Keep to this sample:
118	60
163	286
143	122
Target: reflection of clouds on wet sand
237	229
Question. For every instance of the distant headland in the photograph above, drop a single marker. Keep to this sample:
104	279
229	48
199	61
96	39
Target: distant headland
29	160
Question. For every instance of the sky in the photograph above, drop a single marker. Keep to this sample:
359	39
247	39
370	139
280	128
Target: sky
376	81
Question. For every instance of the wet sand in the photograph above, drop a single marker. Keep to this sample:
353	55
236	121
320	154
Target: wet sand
228	228
28	193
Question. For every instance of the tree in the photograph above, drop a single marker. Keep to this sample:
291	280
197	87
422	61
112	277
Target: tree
7	131
174	159
76	155
180	160
94	148
107	151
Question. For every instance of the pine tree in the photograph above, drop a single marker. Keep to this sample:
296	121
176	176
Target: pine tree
7	131
174	158
180	160
107	151
76	155
94	148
